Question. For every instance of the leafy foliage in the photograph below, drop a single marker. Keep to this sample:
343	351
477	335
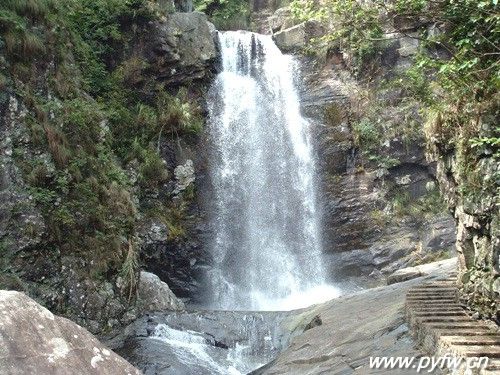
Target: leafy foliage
226	14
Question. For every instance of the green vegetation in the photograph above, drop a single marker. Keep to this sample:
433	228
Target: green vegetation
401	205
226	14
356	28
97	114
366	133
429	204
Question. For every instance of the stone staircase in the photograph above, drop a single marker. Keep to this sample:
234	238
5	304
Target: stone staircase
441	325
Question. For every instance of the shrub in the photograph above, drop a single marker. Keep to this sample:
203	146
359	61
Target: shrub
226	14
366	134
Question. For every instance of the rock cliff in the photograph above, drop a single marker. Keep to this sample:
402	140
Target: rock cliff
98	168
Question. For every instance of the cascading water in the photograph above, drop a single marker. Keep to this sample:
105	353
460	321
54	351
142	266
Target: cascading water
266	249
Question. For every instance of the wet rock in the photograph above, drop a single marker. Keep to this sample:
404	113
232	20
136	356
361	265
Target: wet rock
217	341
34	341
155	295
179	263
363	241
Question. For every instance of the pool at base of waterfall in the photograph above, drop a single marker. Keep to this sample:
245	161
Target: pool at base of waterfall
195	351
206	342
217	342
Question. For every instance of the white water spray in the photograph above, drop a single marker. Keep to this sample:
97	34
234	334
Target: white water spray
267	247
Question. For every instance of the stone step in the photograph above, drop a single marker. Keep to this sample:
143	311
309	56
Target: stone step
493	339
443	319
438	289
454	325
432	296
437	307
428	299
441	325
466	332
412	302
439	313
489	351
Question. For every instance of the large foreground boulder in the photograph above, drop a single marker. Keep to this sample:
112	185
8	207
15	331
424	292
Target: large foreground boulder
35	341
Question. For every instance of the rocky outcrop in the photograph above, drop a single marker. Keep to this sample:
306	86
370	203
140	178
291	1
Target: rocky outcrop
21	224
170	51
34	341
155	295
181	48
297	37
409	273
477	218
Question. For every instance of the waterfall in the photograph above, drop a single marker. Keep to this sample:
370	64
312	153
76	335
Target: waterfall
266	246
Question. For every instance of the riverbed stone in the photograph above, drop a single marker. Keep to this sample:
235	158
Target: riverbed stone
155	295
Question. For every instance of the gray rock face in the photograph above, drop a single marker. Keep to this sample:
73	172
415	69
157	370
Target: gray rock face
478	226
181	49
155	295
184	5
409	273
281	20
34	341
21	224
179	263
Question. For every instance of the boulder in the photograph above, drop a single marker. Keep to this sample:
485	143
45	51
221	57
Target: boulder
297	37
155	295
408	46
34	341
281	19
184	5
404	275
